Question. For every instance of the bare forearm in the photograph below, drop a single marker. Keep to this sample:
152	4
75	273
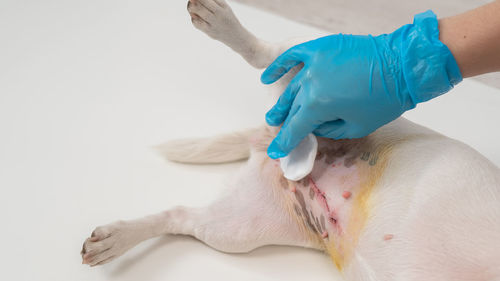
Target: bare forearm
474	39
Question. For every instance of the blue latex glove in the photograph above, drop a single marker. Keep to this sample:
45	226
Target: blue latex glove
351	85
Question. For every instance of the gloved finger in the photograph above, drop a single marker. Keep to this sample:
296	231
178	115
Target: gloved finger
330	129
281	65
278	113
295	129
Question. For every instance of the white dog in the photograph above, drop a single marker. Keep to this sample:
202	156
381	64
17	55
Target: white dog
404	203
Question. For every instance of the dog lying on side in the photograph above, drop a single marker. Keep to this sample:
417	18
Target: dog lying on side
404	203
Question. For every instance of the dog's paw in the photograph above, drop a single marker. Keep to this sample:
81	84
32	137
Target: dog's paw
214	17
109	242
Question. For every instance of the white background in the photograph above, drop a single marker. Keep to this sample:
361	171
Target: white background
86	87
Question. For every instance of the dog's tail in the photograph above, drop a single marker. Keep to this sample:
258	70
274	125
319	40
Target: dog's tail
212	150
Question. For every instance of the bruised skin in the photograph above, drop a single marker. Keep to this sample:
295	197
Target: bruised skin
333	201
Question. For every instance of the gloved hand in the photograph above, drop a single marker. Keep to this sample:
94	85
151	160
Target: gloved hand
351	85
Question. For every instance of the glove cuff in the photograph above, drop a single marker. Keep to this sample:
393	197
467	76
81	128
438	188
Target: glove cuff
428	66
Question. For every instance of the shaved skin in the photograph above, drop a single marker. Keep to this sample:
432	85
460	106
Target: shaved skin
333	202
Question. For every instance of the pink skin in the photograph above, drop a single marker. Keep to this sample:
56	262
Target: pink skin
320	195
327	190
346	194
388	237
321	199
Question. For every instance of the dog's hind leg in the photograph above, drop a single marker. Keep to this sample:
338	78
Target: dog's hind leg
217	20
249	216
233	225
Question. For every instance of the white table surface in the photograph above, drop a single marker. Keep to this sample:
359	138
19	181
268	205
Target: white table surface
86	87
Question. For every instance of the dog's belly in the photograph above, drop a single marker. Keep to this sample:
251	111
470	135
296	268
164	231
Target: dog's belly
333	201
368	201
378	202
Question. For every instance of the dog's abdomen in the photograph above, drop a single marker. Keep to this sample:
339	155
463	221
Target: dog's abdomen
332	203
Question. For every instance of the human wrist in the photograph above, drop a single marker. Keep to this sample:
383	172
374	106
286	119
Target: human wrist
474	39
448	34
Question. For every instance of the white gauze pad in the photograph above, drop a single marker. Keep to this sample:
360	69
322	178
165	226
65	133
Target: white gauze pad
300	161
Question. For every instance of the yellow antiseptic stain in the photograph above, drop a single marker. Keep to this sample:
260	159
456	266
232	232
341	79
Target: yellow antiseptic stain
370	166
342	248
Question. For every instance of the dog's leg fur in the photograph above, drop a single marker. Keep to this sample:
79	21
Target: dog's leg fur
217	20
251	215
